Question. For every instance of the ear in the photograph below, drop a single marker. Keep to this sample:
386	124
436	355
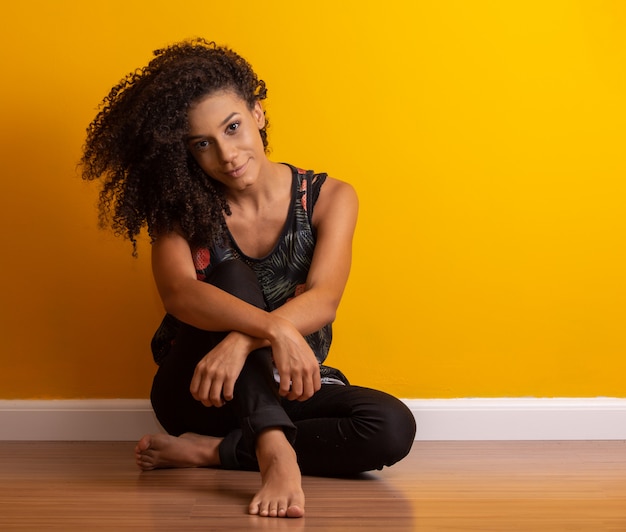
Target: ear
258	114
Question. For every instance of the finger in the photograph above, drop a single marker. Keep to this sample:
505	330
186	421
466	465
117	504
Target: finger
228	391
307	390
203	385
297	388
215	393
194	386
285	383
317	380
207	394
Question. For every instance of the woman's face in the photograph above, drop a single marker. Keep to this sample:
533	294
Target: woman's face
224	139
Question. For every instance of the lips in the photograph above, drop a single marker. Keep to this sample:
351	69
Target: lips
237	172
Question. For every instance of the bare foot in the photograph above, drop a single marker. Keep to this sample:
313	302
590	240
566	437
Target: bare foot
156	451
281	493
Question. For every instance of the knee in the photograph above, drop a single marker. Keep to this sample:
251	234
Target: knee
387	428
398	430
403	425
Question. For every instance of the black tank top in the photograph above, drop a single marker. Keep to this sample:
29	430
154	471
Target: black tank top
281	274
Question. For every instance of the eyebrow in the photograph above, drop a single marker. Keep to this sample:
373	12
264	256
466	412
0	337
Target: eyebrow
222	123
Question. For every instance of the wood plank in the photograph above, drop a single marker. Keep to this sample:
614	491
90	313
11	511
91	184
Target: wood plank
440	486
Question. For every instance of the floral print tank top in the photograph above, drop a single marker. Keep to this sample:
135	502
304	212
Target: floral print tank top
281	274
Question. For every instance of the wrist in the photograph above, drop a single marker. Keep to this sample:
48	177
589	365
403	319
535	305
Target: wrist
276	328
247	342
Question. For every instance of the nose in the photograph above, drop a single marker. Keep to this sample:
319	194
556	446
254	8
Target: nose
226	151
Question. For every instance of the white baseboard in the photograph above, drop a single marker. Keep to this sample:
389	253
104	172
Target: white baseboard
520	419
77	420
437	419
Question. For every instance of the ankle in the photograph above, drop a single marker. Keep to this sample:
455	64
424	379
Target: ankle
272	442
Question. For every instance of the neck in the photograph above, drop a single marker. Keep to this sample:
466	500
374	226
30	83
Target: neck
263	193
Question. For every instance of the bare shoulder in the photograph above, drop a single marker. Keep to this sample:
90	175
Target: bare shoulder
169	242
169	249
335	195
333	186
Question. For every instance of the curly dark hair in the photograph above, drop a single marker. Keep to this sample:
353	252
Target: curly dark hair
136	143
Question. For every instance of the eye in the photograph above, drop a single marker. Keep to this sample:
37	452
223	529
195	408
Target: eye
232	128
201	145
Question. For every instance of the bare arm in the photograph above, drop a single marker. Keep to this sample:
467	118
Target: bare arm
195	302
334	218
205	306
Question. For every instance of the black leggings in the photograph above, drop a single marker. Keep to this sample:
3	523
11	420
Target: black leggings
341	430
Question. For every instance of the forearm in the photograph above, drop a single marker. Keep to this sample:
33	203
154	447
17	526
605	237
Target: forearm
304	313
207	307
309	312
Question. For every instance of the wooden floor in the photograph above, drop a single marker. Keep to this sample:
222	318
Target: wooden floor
483	486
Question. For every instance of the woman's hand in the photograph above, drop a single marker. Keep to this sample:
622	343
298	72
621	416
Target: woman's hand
295	361
213	381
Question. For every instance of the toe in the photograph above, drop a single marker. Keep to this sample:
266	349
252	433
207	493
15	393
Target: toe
295	511
254	509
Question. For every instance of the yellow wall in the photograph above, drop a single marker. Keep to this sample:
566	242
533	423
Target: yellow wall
485	139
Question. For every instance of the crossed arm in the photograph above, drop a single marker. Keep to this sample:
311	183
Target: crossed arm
207	307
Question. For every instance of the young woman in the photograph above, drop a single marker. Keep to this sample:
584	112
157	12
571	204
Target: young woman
250	258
